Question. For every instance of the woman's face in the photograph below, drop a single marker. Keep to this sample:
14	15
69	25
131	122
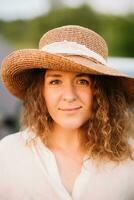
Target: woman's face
68	98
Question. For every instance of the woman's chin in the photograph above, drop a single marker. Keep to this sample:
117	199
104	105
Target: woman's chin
70	125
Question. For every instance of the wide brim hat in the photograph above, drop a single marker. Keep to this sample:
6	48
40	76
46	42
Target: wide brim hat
67	48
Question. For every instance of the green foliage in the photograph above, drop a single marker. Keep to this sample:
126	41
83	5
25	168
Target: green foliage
117	31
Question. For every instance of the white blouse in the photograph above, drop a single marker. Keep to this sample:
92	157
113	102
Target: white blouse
31	173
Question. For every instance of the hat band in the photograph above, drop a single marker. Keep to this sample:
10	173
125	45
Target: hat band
72	48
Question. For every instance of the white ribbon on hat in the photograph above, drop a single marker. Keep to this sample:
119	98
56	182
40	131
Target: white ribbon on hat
72	48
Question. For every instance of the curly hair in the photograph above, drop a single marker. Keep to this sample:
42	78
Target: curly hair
108	129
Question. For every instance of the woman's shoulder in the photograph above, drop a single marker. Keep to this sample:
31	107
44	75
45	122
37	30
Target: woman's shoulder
9	147
9	140
9	144
13	147
14	141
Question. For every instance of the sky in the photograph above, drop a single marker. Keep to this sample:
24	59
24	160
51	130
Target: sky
23	9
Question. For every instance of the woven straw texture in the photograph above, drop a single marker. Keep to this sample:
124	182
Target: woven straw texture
77	34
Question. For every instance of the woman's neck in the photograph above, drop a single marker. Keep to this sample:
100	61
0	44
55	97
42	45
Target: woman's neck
72	140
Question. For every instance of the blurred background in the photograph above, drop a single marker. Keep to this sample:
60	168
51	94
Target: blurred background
22	23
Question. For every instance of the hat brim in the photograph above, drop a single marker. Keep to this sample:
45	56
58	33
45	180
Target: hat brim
17	69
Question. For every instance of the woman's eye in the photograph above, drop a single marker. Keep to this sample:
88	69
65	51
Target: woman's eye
83	82
53	82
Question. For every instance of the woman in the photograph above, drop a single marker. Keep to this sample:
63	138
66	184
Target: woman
76	136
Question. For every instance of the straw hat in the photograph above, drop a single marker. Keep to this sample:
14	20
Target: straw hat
67	48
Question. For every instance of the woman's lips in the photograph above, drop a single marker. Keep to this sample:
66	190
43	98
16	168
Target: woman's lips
70	109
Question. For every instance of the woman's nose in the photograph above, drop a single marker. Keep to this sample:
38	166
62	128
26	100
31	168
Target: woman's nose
69	93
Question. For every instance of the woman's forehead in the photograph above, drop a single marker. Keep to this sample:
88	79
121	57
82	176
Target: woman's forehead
56	73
